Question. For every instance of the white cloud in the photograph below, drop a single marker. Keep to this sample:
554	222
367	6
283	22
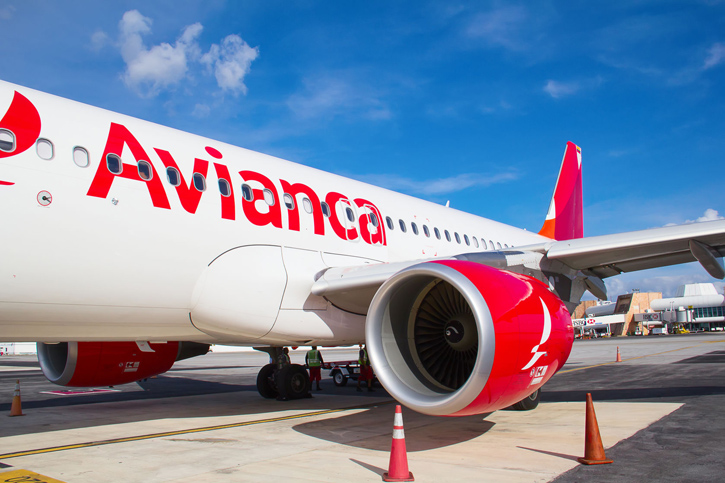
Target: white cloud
709	215
7	12
503	27
558	89
440	186
162	65
201	110
334	95
231	62
149	70
99	40
715	56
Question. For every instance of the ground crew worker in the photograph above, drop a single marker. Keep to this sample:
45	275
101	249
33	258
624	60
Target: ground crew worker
313	361
283	359
366	371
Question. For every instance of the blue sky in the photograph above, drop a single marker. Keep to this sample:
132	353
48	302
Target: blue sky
470	102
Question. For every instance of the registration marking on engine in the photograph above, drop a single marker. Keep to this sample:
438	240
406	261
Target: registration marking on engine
79	392
25	476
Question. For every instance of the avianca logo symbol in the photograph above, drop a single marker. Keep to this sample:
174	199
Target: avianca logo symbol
545	333
19	128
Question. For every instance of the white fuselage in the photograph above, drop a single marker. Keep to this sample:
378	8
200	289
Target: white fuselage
100	261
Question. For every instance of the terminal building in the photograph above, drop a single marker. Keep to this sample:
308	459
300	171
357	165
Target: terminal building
696	307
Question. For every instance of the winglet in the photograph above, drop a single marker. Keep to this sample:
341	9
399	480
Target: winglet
565	219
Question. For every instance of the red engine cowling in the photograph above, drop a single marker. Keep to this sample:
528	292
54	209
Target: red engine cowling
84	364
455	338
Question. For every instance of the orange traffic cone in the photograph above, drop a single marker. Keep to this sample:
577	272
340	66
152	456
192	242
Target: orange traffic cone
15	409
619	356
398	467
593	448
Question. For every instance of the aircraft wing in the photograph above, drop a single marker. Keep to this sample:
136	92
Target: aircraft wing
352	288
609	255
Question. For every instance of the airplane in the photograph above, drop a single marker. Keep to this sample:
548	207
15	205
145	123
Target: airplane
128	246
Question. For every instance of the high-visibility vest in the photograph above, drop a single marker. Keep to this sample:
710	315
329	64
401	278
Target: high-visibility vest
363	358
313	358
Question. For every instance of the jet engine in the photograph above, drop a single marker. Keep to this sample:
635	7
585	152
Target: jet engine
455	338
85	364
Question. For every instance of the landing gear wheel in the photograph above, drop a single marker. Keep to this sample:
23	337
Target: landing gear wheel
293	382
528	403
265	382
339	379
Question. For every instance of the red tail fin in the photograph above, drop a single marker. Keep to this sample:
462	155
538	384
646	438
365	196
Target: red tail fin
565	219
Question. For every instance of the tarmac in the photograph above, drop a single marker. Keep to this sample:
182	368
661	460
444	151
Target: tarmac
659	412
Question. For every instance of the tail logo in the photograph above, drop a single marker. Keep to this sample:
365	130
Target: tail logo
545	333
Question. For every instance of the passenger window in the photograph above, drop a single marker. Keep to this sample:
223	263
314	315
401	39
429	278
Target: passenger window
475	241
374	220
144	170
458	238
7	141
483	244
437	232
490	242
426	231
173	176
113	163
350	214
402	226
307	204
465	239
325	209
268	196
288	201
390	223
247	192
414	227
224	188
505	245
498	244
80	157
44	148
199	182
448	235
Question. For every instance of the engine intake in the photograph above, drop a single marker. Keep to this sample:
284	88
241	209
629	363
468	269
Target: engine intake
458	338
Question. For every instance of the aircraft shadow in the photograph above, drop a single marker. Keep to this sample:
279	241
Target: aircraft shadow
372	429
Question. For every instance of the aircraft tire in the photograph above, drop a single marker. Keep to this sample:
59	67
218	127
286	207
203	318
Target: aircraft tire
293	382
265	382
528	403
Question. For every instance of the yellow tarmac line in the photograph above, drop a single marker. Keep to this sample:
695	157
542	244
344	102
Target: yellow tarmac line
639	357
186	431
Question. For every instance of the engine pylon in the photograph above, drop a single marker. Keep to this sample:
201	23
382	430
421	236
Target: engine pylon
593	448
398	466
16	409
